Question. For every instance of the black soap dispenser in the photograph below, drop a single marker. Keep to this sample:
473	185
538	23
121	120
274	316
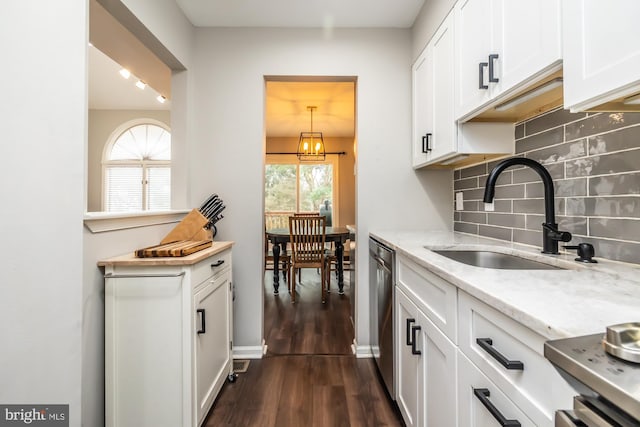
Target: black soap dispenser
585	252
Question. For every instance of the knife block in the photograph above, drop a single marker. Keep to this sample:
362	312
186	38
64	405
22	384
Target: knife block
190	228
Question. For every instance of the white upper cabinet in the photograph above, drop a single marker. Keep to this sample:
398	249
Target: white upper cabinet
434	129
501	45
601	51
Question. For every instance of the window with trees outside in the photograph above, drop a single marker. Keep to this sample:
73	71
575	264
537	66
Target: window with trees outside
291	187
137	169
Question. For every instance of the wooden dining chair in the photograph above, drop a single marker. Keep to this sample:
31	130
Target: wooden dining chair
303	214
307	235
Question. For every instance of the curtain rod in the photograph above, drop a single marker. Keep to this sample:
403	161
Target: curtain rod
339	153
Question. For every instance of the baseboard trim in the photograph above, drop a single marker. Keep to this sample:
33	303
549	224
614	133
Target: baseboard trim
249	352
361	351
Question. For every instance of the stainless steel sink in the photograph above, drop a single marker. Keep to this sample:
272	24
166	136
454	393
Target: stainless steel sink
489	259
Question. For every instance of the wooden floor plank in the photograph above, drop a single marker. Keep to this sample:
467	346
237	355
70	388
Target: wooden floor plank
309	376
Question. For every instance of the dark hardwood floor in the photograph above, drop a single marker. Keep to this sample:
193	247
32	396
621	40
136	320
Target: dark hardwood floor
307	326
309	376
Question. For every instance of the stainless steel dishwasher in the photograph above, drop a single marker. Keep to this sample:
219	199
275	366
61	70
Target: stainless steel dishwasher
382	298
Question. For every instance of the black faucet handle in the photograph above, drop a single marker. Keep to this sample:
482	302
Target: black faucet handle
554	234
586	252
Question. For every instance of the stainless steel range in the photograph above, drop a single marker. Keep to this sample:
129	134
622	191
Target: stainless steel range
609	386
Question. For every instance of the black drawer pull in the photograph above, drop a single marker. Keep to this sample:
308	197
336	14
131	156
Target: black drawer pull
481	68
487	345
408	330
483	396
217	263
414	350
426	142
203	329
492	59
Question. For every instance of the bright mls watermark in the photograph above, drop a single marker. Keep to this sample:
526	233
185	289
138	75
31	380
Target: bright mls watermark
34	415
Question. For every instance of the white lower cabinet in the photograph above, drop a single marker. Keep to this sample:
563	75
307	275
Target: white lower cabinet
168	340
426	392
212	304
482	403
511	356
464	363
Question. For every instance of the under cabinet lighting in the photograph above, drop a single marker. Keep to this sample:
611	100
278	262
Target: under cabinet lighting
632	100
125	73
455	159
140	84
526	96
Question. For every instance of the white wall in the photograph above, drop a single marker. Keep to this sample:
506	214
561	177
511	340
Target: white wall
228	140
43	130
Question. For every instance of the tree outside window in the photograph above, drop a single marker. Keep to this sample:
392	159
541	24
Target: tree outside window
296	187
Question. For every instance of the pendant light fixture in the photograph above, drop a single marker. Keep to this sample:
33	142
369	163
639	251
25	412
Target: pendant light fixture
311	144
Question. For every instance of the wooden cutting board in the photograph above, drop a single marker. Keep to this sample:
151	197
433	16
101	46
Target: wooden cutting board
173	249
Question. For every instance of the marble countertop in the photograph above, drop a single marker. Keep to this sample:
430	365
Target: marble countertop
130	259
582	299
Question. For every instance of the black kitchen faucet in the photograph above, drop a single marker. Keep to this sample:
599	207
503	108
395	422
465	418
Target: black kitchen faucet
550	233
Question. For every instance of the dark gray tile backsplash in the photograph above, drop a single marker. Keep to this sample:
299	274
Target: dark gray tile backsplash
594	160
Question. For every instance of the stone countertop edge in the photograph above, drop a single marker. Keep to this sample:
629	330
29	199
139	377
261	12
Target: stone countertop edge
130	259
583	299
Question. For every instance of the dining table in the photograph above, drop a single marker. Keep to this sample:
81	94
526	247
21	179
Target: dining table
279	237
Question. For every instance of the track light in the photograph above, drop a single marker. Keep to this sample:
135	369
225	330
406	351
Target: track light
161	99
140	84
125	73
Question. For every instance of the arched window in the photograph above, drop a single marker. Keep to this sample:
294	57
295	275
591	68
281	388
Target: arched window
137	168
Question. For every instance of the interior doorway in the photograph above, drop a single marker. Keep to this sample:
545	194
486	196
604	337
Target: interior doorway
307	326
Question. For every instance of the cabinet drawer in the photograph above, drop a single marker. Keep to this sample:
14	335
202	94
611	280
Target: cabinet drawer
210	267
474	388
534	386
433	295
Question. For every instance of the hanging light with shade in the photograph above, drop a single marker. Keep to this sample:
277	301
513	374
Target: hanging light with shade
311	144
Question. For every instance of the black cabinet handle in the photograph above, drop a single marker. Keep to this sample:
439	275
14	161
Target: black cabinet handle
426	143
202	330
408	330
492	77
414	350
481	68
487	345
483	396
217	263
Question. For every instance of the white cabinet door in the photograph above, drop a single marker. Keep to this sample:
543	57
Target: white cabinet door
434	133
475	23
502	44
529	37
601	51
212	311
481	403
409	394
426	370
422	107
442	86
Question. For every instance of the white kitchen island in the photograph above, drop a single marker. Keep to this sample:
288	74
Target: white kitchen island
168	337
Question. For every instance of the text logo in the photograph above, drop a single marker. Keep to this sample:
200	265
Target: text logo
34	415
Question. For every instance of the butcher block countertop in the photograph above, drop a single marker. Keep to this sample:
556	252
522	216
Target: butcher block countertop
131	260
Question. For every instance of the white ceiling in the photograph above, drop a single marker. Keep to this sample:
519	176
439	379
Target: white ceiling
287	114
301	13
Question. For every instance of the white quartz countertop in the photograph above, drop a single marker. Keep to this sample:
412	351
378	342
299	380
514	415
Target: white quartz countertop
581	300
